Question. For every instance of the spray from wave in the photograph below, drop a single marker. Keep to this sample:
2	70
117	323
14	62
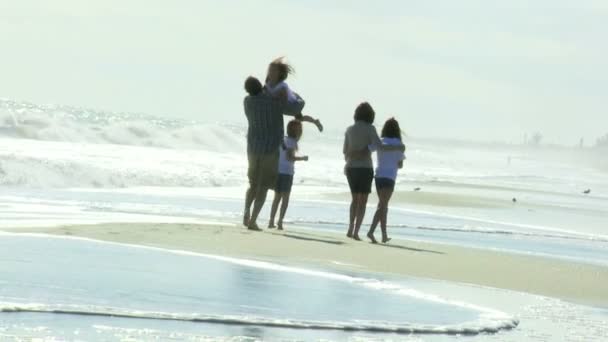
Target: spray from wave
79	125
62	146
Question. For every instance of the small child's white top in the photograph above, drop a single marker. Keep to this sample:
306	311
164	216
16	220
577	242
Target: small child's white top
388	161
291	97
286	167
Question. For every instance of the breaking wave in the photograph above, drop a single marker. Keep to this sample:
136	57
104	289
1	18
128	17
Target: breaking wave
378	327
79	125
60	146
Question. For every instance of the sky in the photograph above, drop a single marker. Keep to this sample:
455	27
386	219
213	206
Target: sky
471	69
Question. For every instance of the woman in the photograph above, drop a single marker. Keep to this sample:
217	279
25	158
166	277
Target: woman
389	162
359	141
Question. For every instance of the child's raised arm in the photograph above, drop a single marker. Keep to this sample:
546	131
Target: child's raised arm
316	122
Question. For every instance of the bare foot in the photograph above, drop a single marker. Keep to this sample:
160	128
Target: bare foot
319	125
371	237
385	240
271	226
254	226
246	216
349	234
356	237
280	226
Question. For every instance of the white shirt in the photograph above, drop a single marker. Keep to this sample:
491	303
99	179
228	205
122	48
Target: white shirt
388	161
291	97
286	167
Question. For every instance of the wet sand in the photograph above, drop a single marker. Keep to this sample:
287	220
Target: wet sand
578	283
434	198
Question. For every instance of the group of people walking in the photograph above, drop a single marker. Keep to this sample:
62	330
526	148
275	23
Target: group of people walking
272	155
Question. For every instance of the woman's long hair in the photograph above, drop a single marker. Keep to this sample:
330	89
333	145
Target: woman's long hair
365	112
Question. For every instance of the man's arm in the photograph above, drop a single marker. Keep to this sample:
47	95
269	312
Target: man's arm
245	105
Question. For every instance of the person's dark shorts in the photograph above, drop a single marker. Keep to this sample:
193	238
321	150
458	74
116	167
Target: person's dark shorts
385	183
263	169
284	183
360	180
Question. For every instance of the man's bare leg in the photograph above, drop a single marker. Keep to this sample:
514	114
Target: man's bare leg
258	204
249	197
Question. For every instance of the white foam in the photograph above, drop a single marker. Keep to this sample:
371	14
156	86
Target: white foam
489	320
371	326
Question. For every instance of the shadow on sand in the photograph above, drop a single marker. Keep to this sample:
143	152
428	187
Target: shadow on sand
299	237
412	249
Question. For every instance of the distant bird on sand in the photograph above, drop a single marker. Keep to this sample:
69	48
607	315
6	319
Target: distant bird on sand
416	189
586	192
514	200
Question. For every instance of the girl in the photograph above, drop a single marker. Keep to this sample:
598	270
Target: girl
359	141
278	70
287	159
386	174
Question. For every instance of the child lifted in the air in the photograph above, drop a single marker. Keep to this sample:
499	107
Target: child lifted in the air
278	70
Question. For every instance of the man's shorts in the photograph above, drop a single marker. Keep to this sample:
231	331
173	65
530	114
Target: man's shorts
263	169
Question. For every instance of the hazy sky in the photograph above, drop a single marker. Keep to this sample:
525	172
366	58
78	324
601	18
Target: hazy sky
468	69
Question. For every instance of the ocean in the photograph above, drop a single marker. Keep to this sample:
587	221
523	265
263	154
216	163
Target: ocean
64	165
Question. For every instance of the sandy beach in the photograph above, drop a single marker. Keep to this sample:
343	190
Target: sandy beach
578	283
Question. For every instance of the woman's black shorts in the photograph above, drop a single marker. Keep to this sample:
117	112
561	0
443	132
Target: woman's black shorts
384	183
360	180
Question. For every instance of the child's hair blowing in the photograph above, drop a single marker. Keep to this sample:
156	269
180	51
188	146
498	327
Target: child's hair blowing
283	68
391	129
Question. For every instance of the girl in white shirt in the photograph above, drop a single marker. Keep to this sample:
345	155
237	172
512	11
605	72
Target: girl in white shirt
287	159
278	70
386	173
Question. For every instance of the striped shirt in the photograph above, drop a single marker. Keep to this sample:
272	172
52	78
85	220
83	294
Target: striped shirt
265	117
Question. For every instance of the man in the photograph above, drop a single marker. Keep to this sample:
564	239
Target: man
264	136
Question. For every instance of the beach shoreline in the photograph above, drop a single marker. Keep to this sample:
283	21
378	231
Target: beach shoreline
566	280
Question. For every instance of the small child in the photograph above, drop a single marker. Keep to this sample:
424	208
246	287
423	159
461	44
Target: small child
287	159
386	173
278	71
